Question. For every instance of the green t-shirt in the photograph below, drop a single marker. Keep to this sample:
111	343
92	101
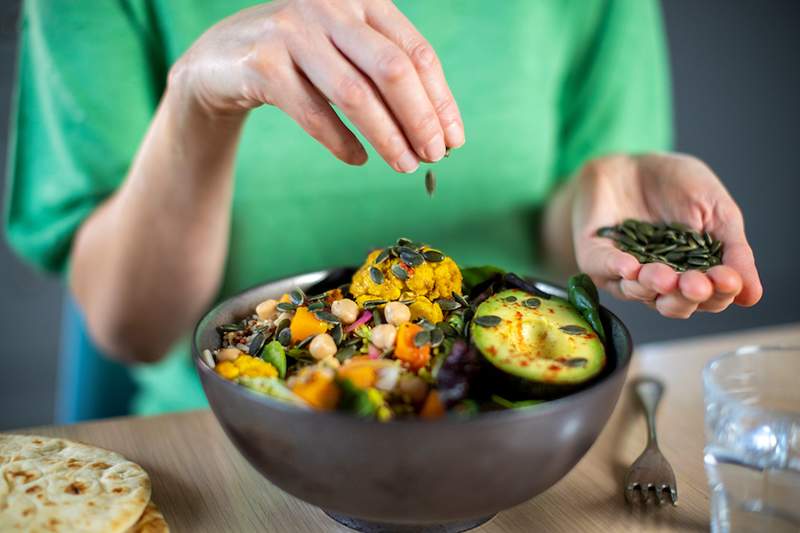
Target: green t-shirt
542	86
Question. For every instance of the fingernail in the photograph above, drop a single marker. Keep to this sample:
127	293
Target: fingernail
455	135
407	163
434	150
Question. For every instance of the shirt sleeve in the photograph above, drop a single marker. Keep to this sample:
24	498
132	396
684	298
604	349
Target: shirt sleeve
88	80
616	95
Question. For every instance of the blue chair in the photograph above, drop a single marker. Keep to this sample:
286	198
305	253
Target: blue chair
89	385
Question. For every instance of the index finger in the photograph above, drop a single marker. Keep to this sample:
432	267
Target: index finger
387	19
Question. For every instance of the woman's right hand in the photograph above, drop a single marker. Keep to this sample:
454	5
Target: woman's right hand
363	56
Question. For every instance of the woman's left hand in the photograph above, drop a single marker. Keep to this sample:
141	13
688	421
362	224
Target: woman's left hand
661	187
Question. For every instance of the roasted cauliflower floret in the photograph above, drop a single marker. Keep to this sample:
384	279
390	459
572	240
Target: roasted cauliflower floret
421	284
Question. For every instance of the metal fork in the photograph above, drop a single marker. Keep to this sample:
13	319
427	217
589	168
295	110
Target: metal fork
651	472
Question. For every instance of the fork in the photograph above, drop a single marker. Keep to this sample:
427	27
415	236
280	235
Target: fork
651	472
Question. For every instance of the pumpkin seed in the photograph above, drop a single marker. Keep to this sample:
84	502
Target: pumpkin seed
675	256
327	317
297	297
686	248
460	299
607	231
383	256
337	333
664	249
372	304
696	237
376	275
532	303
447	329
426	324
576	362
630	223
698	253
346	353
430	182
510	299
257	344
447	304
316	306
646	229
227	328
303	343
286	307
698	261
283	324
285	336
680	228
573	330
433	256
487	321
437	337
631	233
399	272
403	241
422	338
411	257
672	244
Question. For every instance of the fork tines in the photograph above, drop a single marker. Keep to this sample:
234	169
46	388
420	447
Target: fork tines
643	492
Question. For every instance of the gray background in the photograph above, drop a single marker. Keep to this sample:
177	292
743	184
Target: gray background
736	87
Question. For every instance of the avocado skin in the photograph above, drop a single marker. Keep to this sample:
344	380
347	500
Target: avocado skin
520	382
515	388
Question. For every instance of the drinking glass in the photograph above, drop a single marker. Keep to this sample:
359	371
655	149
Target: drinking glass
752	453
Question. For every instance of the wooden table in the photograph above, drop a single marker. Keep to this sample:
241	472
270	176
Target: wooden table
202	484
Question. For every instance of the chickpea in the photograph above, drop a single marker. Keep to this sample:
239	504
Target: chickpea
331	362
267	309
414	387
396	313
383	336
228	354
322	346
345	310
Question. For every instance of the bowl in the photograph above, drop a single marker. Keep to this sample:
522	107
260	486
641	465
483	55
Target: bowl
407	475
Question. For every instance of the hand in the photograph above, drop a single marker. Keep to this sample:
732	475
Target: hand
363	56
671	188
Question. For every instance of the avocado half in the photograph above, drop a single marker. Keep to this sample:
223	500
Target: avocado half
538	347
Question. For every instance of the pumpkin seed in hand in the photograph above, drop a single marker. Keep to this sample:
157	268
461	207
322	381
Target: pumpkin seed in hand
673	244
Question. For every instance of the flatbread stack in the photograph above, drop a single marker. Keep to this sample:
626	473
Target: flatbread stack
56	485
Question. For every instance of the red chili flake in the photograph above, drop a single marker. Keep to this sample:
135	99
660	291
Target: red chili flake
554	368
525	363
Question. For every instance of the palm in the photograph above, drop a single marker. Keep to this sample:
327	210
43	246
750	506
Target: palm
662	188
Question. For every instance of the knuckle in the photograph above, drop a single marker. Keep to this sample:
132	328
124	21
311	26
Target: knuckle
422	54
392	67
312	119
427	125
446	107
350	93
390	146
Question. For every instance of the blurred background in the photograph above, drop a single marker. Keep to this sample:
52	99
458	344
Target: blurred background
735	86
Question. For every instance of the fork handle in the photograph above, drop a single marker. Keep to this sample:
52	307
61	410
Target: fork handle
649	391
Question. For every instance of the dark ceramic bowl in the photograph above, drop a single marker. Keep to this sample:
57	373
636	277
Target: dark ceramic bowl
410	475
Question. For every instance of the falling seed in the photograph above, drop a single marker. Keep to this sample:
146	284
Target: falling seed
430	182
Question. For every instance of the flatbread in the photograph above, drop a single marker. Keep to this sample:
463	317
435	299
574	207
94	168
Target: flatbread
56	485
151	521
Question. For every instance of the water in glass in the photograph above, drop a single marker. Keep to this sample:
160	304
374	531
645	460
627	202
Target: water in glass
752	454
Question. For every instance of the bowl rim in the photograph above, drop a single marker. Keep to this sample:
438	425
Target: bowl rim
500	416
